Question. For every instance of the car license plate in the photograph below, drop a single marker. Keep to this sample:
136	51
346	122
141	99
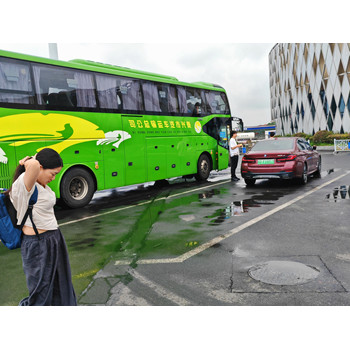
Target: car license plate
266	161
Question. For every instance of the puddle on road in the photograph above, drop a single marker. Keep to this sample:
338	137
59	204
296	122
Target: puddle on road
165	226
339	193
238	208
169	224
161	228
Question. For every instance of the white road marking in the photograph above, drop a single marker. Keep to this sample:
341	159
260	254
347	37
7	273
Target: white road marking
122	295
218	239
161	291
149	261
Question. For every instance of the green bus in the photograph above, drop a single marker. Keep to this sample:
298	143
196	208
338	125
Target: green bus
113	126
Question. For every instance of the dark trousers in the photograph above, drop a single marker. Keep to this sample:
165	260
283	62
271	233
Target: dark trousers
47	270
234	162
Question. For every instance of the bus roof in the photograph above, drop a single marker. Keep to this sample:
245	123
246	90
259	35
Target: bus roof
108	68
121	69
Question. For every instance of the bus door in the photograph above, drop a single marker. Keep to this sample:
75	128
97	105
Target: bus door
156	158
223	145
135	152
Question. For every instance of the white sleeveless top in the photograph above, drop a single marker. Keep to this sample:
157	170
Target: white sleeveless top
43	212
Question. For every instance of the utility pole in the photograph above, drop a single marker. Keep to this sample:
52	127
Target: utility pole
53	52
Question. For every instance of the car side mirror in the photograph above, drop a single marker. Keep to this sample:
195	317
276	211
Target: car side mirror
314	148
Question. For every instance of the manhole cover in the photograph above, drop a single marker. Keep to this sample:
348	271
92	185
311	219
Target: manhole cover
283	272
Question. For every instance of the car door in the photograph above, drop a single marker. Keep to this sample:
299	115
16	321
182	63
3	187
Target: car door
307	155
312	154
315	156
311	164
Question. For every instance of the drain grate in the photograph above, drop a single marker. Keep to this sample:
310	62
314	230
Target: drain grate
283	273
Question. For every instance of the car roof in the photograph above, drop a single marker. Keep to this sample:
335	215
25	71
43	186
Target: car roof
279	138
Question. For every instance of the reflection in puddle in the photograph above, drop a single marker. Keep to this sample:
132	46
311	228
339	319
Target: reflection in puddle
339	193
238	208
209	194
86	242
167	225
187	217
162	225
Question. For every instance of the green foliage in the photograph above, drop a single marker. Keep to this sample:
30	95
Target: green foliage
331	137
303	135
321	137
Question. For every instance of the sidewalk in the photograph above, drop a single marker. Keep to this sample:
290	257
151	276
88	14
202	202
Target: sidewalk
325	148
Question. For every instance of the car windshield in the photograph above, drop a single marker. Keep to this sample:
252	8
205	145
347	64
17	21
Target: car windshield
273	145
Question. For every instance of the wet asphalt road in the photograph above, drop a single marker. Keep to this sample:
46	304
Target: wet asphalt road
198	244
213	243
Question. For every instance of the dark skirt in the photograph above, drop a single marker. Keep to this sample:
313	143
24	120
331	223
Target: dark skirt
47	270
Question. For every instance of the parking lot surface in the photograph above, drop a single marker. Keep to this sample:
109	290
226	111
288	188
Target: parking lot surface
212	243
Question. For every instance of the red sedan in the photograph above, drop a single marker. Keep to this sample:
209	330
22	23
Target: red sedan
281	157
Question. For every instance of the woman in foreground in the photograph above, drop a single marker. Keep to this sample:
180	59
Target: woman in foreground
44	255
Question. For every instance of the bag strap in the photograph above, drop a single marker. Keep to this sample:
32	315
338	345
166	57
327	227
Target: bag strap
32	200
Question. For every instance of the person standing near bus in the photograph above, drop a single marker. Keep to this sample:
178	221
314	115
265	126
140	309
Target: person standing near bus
234	154
44	255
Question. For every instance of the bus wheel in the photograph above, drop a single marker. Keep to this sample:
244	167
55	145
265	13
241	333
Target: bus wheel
77	188
203	168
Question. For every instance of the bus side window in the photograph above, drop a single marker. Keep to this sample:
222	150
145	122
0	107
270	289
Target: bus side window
194	102
151	96
15	82
131	94
163	93
172	100
217	102
206	100
181	93
52	99
108	91
84	87
204	103
64	88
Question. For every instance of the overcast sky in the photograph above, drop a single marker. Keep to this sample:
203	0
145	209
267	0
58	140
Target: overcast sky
233	38
242	69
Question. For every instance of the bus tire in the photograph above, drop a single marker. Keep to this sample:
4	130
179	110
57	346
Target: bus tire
77	188
203	168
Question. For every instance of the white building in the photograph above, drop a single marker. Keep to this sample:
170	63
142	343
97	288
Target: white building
309	87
